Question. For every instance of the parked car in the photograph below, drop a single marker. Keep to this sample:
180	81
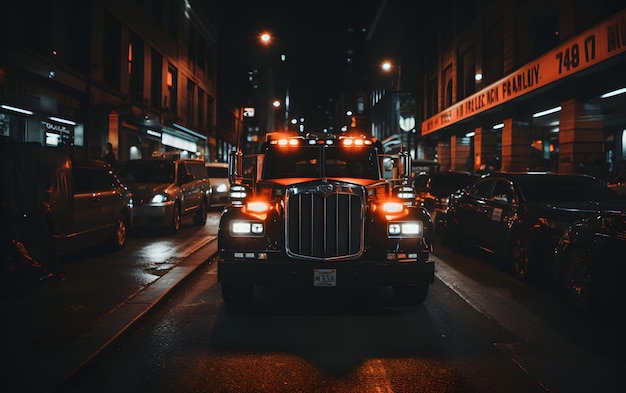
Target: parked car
54	206
590	261
102	209
433	189
217	172
521	216
618	184
167	190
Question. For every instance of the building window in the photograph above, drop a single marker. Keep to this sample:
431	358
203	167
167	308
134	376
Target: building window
547	32
470	81
493	53
448	98
191	91
202	54
432	98
135	67
172	21
172	87
209	114
157	11
112	42
156	80
192	48
200	118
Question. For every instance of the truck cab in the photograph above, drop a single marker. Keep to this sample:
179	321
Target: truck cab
323	212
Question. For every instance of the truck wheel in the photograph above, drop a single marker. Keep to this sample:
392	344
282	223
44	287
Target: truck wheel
200	217
237	294
410	295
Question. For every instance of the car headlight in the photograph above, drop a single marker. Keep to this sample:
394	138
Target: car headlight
159	198
222	188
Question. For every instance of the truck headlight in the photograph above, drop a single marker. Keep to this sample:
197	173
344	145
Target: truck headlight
407	228
243	228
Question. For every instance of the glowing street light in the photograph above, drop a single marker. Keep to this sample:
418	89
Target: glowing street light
387	66
266	38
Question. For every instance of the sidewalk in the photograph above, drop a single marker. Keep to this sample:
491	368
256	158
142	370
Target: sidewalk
43	346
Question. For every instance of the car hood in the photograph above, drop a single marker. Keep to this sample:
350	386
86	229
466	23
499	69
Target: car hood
143	190
574	211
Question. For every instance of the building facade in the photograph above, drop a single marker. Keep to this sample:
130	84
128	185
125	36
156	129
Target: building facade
137	74
519	85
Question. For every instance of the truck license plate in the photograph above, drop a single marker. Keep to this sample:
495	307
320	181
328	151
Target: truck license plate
324	277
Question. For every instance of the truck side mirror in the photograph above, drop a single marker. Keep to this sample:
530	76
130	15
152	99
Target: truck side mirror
235	166
404	166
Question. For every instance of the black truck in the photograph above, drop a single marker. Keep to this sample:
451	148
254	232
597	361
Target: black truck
323	212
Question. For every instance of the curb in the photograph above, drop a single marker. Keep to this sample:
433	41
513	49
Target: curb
91	343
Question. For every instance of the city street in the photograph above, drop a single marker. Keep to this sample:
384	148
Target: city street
479	330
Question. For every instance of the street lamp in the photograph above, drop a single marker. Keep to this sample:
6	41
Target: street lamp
387	66
266	38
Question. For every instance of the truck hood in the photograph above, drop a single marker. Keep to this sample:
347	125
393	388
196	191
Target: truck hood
289	181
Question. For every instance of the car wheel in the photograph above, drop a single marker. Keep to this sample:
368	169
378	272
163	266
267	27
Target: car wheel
237	294
578	281
520	256
120	234
413	295
176	219
200	217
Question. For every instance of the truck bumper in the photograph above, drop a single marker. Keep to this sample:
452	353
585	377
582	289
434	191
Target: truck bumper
347	274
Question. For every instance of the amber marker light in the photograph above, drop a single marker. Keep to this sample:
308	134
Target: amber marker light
258	207
393	207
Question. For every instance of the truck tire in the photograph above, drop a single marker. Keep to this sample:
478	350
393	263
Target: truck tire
413	295
237	294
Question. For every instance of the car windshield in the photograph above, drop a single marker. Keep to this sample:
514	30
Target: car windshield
146	172
307	162
562	188
444	183
217	172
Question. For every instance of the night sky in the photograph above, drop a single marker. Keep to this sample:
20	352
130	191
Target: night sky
310	34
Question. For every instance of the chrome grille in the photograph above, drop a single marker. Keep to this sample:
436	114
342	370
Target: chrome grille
324	226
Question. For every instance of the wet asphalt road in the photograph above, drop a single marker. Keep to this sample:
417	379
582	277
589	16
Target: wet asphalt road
479	330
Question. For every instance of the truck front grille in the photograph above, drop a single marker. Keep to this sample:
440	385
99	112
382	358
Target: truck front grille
324	227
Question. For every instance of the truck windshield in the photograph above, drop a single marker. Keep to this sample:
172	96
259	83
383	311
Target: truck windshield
321	161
